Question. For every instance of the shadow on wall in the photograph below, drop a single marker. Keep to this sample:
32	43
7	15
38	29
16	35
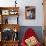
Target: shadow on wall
37	29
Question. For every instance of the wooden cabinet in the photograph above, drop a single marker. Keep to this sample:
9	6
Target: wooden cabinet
9	15
9	23
10	43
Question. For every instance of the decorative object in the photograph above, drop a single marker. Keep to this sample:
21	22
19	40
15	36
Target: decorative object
30	12
30	38
6	21
7	34
13	12
15	3
15	30
5	12
9	15
31	41
15	37
15	34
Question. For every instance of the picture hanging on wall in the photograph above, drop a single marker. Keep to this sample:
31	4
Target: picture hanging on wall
30	12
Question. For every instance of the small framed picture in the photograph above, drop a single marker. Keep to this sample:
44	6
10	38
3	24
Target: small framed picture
5	12
30	12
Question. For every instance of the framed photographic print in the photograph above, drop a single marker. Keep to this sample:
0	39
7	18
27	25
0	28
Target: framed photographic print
6	34
5	12
30	12
11	12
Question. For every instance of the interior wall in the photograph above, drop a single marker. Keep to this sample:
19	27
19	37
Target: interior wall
38	21
39	13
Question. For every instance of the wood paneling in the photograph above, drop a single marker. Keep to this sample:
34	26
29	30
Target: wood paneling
44	4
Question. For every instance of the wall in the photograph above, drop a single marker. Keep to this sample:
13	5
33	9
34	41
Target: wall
22	3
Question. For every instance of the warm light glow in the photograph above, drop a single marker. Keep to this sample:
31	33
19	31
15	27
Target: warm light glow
15	30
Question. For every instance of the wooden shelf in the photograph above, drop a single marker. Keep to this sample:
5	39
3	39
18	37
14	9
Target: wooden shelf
9	8
9	43
4	24
5	12
11	26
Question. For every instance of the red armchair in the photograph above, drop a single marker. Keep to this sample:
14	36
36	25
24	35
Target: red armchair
30	34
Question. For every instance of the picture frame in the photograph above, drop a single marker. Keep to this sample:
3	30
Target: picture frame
30	12
5	12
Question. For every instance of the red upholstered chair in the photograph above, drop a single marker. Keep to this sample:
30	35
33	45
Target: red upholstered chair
29	33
